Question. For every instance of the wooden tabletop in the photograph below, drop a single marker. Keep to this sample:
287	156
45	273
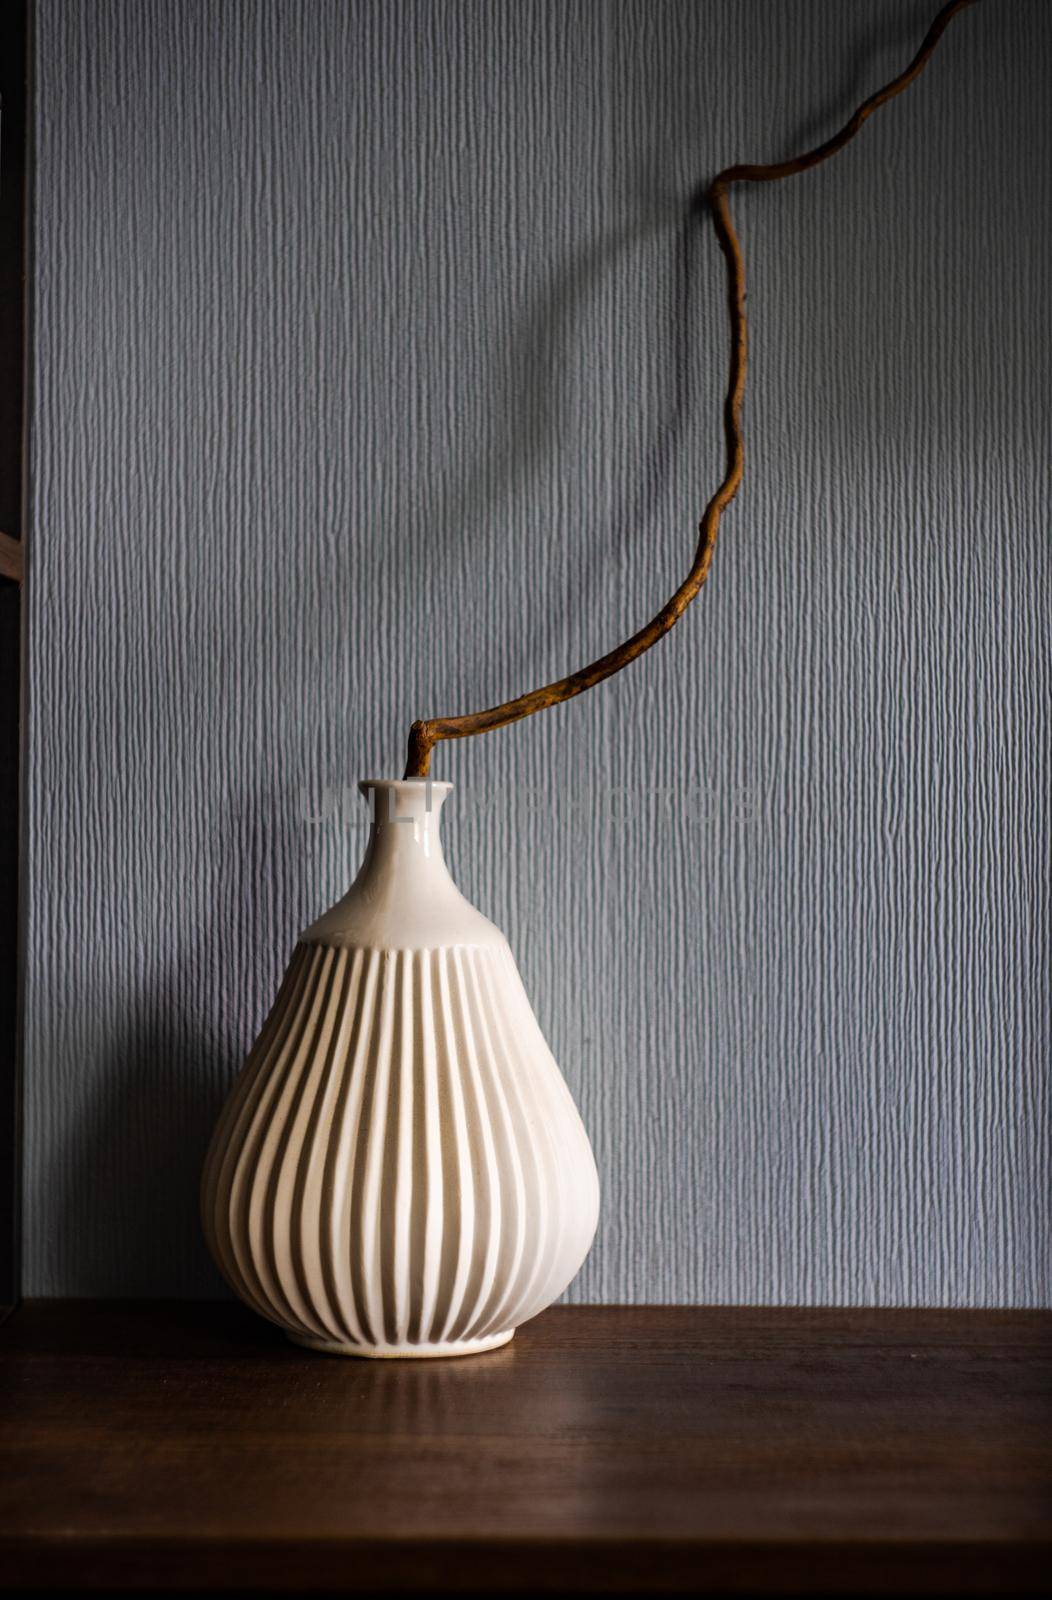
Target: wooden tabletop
607	1448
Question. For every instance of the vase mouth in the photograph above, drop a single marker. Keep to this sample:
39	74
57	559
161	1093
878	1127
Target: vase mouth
409	785
393	799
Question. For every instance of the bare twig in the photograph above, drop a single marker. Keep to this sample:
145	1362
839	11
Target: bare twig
423	736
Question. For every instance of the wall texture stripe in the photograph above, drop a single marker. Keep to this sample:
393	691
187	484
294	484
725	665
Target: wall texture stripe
377	360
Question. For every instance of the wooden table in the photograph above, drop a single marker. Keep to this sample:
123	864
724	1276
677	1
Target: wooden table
613	1448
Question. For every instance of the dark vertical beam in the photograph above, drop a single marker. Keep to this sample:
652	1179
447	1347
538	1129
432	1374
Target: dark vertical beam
13	242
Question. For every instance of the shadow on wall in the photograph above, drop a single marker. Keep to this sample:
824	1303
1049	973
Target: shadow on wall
892	39
127	1218
135	1166
532	406
534	395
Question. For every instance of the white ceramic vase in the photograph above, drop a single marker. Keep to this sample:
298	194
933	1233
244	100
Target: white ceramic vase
400	1169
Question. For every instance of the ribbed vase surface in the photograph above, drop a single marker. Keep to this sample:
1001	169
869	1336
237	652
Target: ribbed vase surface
400	1169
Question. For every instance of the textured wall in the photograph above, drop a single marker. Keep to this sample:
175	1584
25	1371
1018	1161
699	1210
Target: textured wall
377	366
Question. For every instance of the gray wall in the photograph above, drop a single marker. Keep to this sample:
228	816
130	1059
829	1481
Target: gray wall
377	368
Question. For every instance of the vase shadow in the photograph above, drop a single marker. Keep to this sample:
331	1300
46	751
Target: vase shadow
126	1220
127	1215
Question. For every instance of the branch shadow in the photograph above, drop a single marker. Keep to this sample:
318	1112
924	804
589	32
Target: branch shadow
898	37
505	465
533	391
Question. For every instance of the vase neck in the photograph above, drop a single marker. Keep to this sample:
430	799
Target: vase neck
404	898
405	827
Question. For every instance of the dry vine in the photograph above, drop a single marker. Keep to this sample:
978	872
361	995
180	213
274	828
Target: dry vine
423	736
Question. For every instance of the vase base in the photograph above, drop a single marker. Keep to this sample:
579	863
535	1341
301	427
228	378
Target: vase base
403	1352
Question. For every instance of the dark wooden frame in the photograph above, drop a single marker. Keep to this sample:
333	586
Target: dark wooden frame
14	168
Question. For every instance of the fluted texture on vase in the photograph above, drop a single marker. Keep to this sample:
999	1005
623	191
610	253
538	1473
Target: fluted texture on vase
400	1165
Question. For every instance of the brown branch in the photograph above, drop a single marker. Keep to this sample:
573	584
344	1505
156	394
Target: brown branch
423	736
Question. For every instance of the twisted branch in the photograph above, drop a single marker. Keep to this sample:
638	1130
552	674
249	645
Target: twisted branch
423	736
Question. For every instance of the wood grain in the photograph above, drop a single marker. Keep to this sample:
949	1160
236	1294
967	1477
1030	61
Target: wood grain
710	1449
10	558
